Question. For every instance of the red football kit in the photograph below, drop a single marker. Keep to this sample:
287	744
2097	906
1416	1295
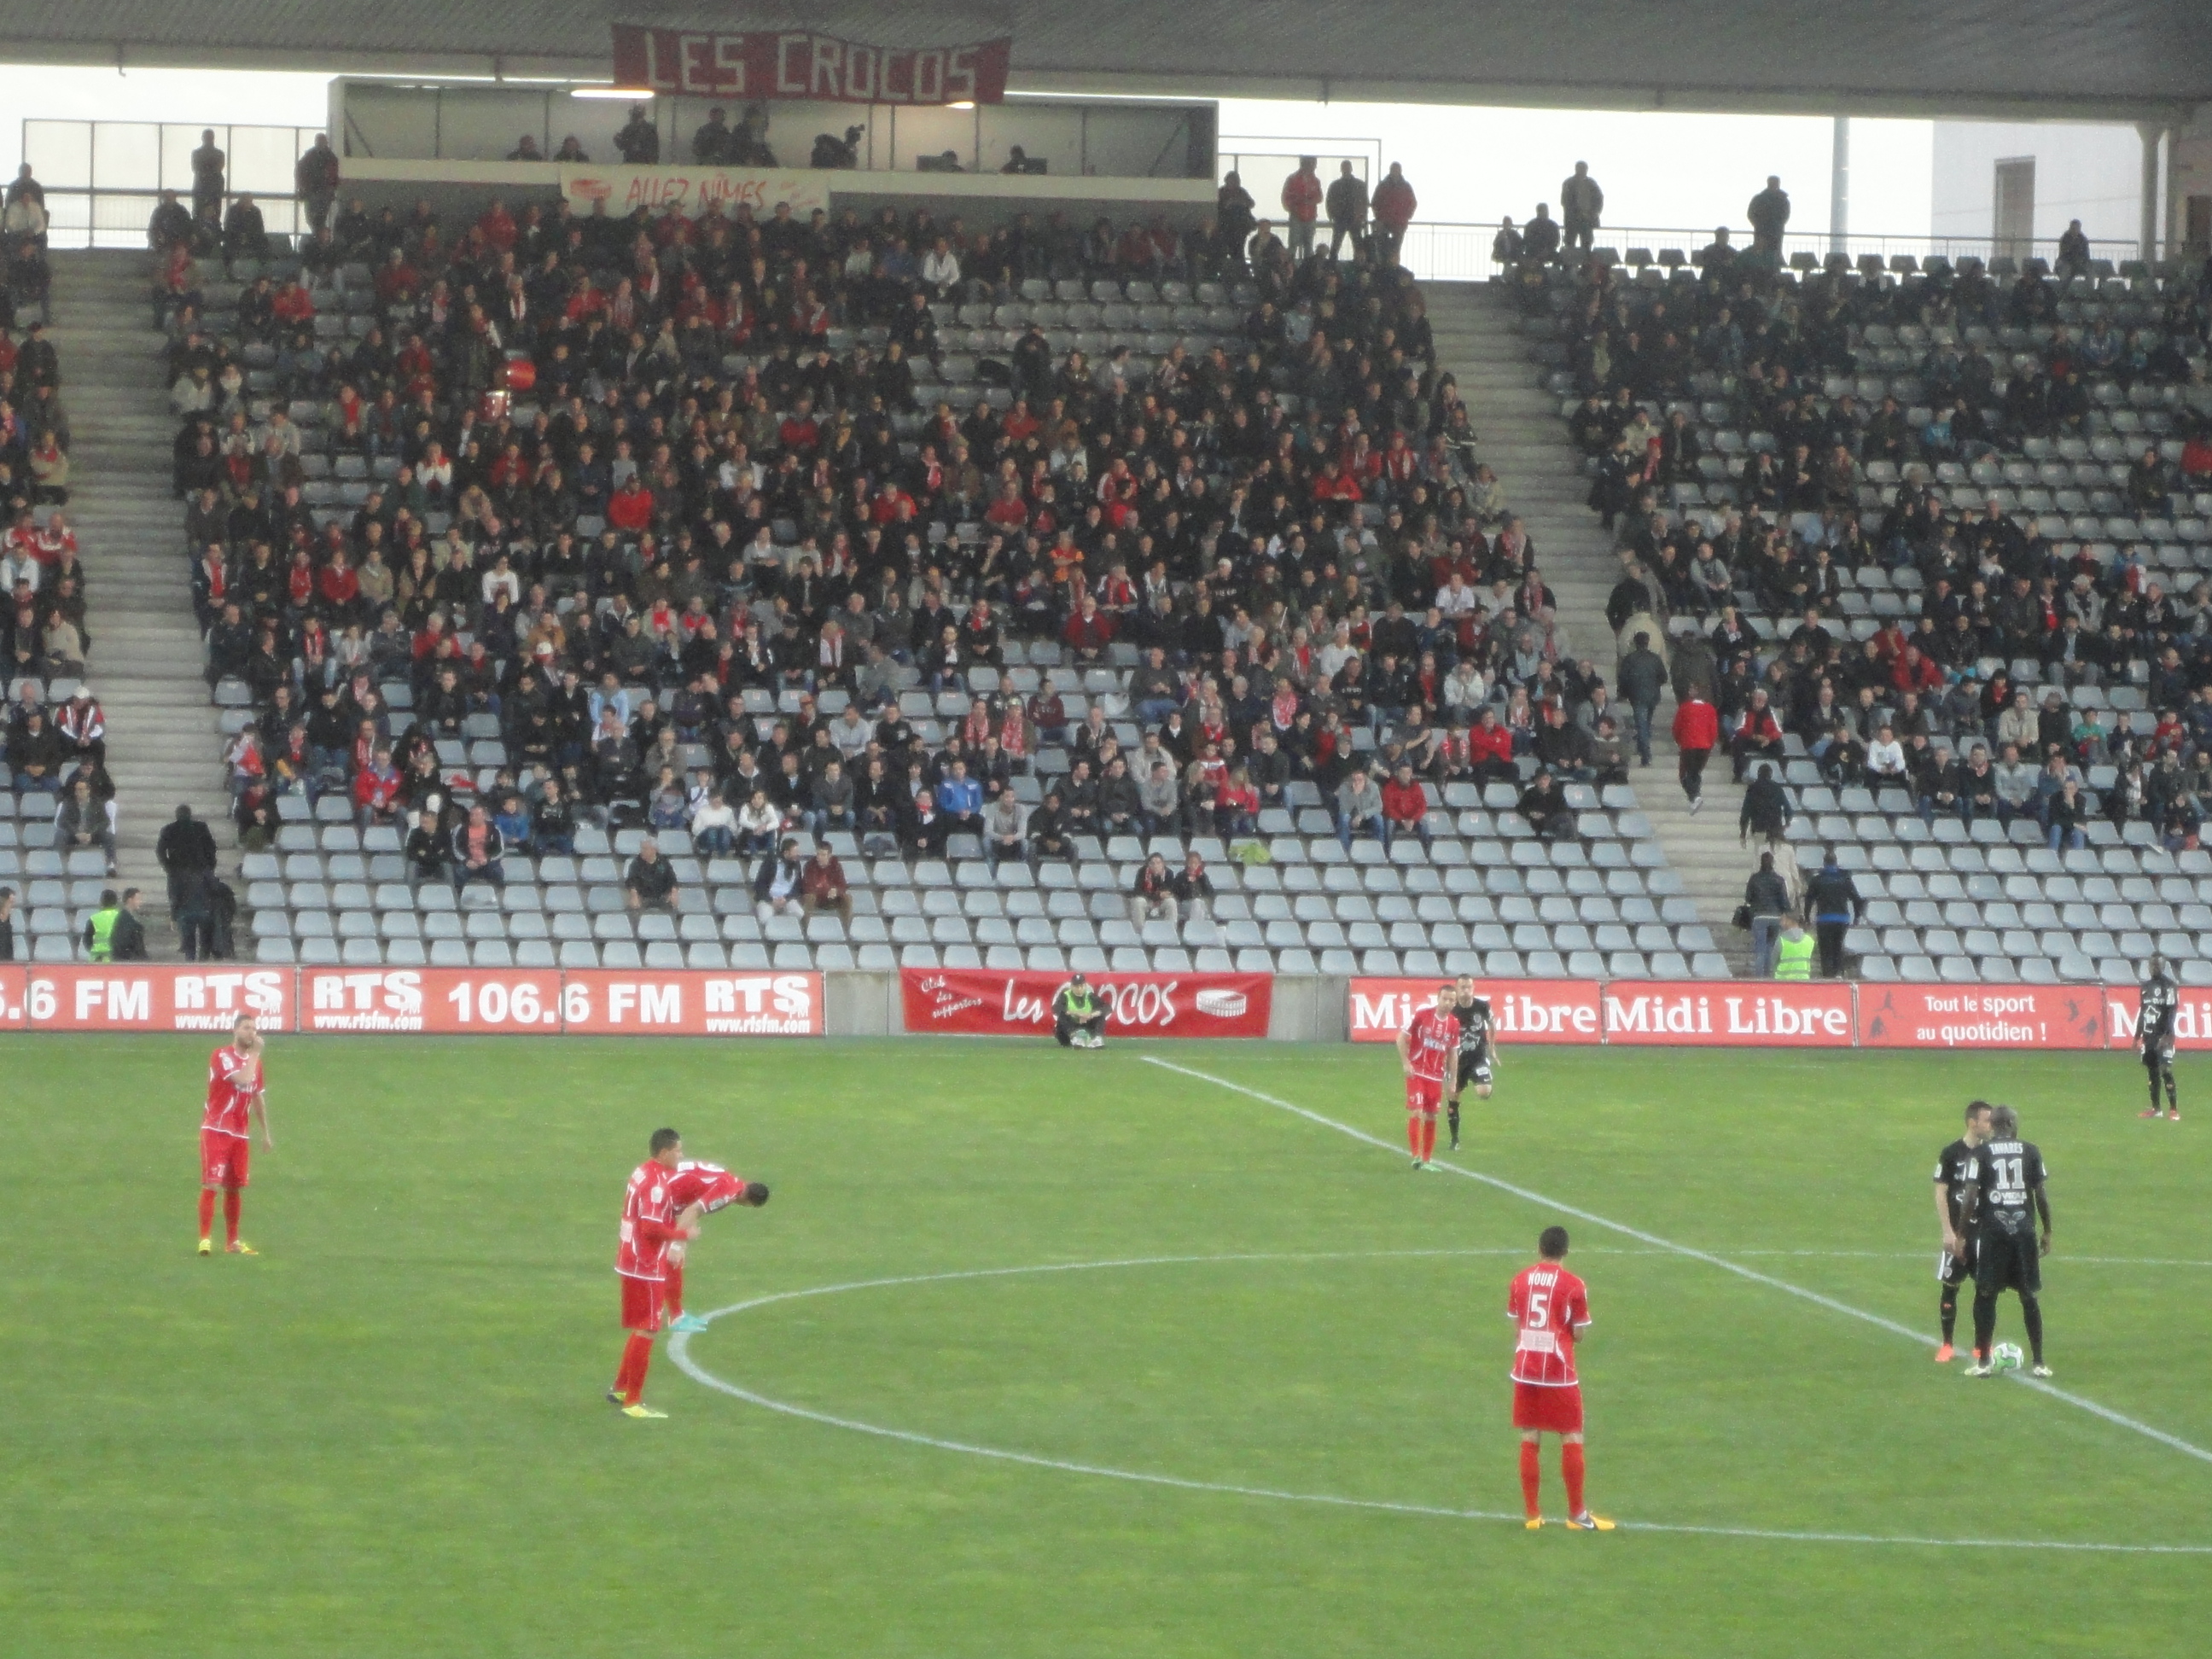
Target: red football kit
224	1145
641	1255
1432	1047
1547	1305
710	1187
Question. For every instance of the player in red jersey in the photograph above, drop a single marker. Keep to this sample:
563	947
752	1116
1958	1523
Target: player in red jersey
1428	1049
1550	1308
652	1227
234	1102
712	1188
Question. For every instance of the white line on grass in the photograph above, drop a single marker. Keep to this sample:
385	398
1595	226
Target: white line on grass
679	1350
2172	1442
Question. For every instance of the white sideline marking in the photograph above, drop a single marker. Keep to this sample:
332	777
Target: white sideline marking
2173	1442
679	1350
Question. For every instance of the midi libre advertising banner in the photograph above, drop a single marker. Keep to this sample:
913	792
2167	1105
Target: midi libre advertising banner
492	1001
1773	1014
746	67
1014	1002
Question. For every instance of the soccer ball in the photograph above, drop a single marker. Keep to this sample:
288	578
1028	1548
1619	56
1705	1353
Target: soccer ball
2006	1357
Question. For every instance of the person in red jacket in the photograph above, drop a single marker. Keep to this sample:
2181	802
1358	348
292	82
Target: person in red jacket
1405	804
1490	748
1392	209
1696	729
630	507
1914	672
1089	632
1301	197
1756	734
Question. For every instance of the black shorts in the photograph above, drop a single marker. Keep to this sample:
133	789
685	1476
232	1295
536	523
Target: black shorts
1952	1271
1474	1067
2158	1056
2007	1262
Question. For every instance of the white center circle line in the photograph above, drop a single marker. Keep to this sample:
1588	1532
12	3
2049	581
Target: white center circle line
679	1351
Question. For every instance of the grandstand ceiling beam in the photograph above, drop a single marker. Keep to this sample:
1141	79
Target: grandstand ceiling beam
1716	98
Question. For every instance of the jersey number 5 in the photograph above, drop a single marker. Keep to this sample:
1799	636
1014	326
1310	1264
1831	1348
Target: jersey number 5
1539	1307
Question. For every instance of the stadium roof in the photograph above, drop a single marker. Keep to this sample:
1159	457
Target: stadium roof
2108	59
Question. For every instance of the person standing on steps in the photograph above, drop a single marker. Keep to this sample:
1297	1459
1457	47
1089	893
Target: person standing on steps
1793	952
1766	895
1833	899
183	848
1641	677
1696	729
1581	205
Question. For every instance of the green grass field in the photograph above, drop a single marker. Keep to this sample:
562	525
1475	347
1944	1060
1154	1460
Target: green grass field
386	1435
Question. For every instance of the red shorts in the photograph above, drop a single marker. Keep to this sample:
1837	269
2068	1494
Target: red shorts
1425	1094
1555	1410
223	1158
641	1303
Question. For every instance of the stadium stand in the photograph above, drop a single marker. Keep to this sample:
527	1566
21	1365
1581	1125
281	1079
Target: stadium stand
664	510
57	841
1968	505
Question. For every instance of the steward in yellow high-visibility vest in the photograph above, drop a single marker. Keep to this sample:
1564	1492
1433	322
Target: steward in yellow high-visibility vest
1793	952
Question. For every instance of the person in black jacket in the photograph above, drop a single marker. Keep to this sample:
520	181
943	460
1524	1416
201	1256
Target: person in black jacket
129	936
425	852
7	924
1346	202
1766	895
1833	899
1766	808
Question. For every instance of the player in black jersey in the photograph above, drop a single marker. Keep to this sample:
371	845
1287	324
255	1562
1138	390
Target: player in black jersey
1954	1179
1477	1050
2003	1207
2161	1000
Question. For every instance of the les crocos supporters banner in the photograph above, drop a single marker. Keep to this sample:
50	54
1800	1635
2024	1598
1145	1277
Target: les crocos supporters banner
516	1001
979	1001
819	67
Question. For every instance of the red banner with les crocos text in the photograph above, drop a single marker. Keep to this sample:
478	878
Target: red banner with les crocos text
981	1001
798	64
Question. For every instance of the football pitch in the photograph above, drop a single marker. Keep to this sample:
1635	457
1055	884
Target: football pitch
1041	1353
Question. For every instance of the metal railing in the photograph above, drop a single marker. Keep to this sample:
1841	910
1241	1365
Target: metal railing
1460	253
102	179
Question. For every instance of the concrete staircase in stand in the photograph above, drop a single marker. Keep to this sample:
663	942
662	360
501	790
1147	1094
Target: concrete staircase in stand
163	739
1522	438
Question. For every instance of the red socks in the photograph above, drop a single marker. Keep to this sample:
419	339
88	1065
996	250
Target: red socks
206	1211
637	1355
232	1199
1428	1137
673	1286
1414	1133
1531	1476
1420	1135
1570	1465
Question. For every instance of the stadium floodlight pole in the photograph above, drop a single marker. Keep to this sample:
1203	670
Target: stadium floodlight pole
1839	186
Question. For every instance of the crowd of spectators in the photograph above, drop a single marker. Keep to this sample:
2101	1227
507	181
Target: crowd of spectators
53	751
1971	701
658	507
